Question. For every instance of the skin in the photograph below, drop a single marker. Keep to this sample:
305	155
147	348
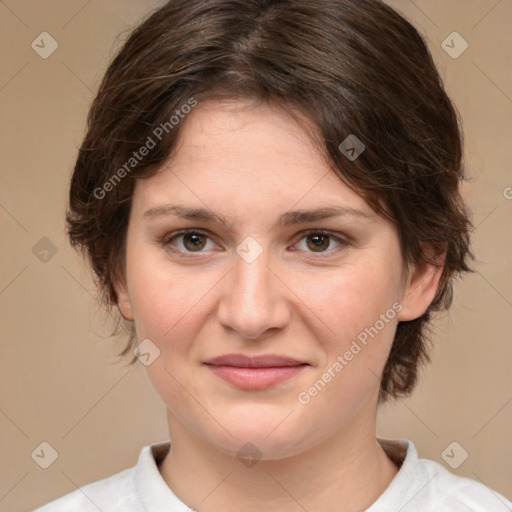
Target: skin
199	299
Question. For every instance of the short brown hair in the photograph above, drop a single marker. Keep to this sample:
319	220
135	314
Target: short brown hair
351	66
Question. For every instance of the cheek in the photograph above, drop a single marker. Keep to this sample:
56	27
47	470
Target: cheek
161	298
168	310
347	301
355	314
354	321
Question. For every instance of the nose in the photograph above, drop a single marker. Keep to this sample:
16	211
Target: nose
254	298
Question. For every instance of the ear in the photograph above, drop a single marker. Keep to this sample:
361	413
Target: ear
123	299
420	288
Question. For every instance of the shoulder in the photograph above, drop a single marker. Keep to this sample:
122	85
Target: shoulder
125	491
132	490
456	493
140	487
114	491
427	486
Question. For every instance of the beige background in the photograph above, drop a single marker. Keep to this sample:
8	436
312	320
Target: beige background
60	381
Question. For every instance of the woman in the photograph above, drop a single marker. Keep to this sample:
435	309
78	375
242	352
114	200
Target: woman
268	192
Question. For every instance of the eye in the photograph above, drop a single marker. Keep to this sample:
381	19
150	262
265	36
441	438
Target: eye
190	240
319	241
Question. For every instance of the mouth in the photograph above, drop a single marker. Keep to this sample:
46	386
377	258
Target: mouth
253	373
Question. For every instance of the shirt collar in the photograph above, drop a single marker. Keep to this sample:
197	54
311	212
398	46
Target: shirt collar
156	496
152	490
403	453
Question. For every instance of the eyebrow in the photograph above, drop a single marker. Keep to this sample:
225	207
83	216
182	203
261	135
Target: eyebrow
286	219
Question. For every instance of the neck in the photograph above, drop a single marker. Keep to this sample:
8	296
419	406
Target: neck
350	468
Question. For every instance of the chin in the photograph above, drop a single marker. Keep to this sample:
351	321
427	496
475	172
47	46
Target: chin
260	436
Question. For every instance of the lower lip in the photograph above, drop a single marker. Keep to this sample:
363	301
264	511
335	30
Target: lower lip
255	378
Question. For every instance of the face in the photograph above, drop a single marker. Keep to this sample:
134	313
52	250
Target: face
273	324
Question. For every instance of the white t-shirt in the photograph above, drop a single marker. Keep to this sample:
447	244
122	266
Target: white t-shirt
421	485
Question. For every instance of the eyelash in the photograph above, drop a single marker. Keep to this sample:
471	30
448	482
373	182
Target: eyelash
166	240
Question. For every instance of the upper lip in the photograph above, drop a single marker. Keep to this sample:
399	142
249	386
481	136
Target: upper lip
263	361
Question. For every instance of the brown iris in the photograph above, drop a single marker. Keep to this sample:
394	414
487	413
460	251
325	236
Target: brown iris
320	241
197	241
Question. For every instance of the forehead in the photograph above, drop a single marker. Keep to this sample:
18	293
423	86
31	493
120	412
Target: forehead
236	152
243	130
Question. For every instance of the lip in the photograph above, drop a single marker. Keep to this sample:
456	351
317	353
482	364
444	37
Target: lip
257	372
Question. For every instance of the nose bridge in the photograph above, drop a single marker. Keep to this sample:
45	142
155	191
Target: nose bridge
251	303
251	280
